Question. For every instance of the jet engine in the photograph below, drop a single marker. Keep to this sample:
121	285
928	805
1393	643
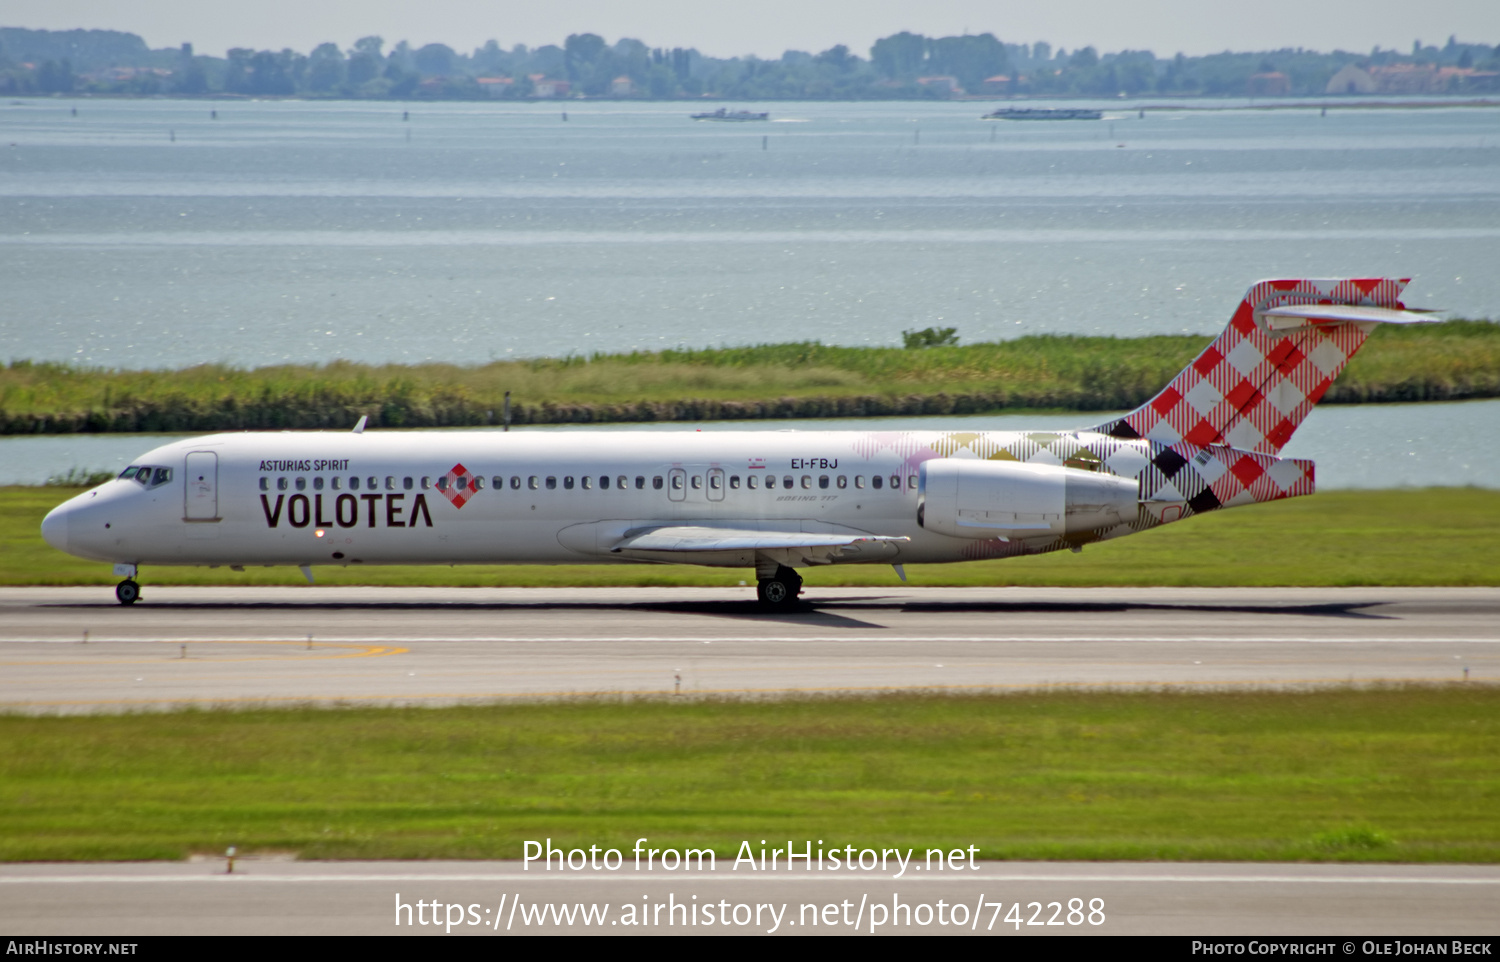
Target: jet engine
1006	499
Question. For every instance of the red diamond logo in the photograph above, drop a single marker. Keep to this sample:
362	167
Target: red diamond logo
457	485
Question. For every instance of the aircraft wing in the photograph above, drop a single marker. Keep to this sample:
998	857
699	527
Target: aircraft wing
692	538
787	541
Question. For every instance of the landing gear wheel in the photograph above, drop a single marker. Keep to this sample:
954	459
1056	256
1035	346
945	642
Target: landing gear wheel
128	592
780	590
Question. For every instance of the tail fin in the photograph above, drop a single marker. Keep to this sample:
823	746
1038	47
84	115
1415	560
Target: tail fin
1254	384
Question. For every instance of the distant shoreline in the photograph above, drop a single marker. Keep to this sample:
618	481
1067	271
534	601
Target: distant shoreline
1174	102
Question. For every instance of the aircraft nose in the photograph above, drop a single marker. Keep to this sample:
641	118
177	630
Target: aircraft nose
55	527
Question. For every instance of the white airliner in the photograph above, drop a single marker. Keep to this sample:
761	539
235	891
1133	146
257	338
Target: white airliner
773	501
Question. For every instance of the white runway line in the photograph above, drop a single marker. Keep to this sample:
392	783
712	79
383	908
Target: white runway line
822	636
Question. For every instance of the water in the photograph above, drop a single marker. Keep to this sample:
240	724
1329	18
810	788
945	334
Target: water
1368	446
288	231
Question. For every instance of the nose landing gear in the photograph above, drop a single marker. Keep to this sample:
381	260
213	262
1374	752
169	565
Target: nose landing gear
781	589
128	592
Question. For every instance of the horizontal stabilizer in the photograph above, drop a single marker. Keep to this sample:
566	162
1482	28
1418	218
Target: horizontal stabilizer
1293	317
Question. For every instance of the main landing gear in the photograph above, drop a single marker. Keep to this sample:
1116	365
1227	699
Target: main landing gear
781	589
128	592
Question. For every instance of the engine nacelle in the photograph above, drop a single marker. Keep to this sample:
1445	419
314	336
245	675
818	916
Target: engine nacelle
1006	499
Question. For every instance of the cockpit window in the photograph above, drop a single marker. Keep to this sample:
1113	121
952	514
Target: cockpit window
146	475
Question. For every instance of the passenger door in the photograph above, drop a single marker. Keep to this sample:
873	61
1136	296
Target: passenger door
201	477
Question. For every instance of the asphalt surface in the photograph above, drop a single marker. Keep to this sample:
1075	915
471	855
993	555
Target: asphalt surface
502	898
434	646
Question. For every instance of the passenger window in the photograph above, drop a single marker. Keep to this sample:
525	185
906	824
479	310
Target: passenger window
734	481
895	482
770	481
281	484
911	482
859	481
531	482
603	482
390	482
786	481
656	482
876	482
822	481
697	481
676	483
354	484
807	481
372	482
588	483
425	483
716	481
301	484
318	483
843	481
498	482
515	482
551	483
408	483
442	483
265	484
568	482
623	482
336	482
460	483
751	482
478	484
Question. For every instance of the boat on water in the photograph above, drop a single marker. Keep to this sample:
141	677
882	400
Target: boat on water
736	116
1043	113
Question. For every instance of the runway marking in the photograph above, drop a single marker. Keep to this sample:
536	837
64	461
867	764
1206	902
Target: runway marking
1209	684
812	877
367	650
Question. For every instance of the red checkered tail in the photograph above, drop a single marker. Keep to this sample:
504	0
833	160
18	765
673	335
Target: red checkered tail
1254	384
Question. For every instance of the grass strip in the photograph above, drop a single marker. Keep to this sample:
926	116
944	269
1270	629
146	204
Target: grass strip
1448	361
1430	536
1408	774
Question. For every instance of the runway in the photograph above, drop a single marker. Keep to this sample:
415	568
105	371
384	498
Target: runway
503	898
75	650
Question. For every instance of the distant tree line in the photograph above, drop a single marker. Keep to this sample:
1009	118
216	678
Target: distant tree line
902	66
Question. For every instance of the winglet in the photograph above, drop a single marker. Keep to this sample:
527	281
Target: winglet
359	426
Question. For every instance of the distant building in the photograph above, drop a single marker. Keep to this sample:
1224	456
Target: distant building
998	84
546	87
1411	79
495	86
1274	84
1351	80
122	74
948	85
622	87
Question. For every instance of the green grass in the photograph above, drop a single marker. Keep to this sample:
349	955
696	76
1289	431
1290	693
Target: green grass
1456	359
1434	536
1402	774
